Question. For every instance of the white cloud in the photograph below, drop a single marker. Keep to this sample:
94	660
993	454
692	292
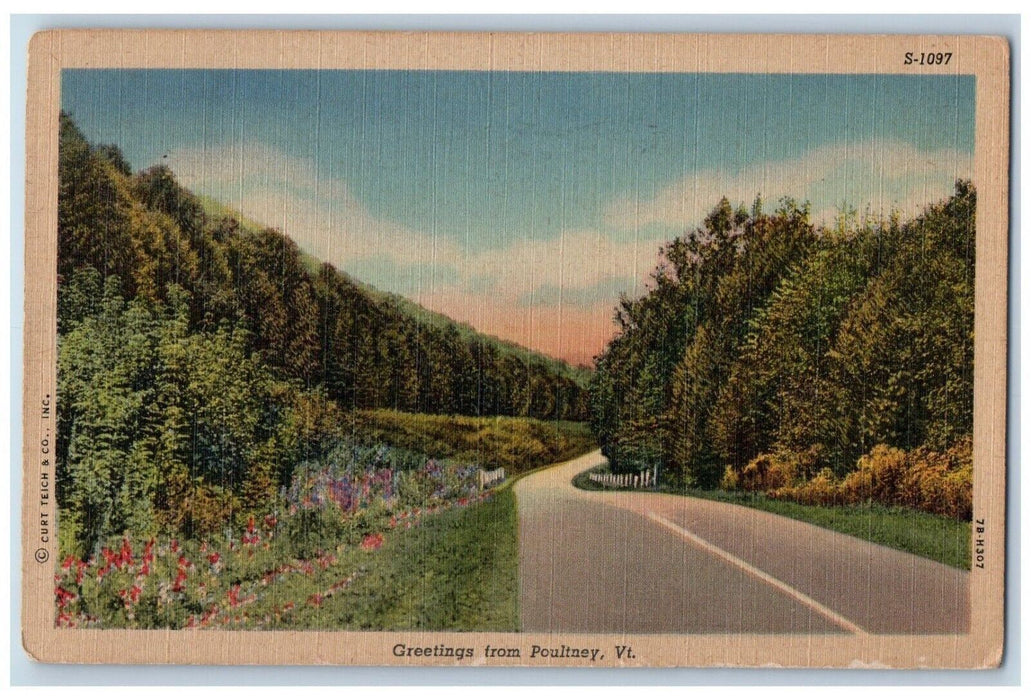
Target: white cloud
877	175
320	214
325	219
572	260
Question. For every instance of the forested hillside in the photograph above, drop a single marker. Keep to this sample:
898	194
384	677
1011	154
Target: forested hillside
770	351
201	359
319	327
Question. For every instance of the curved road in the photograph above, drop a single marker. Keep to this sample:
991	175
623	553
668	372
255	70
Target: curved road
596	561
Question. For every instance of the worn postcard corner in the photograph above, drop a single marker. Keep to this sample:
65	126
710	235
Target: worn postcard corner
586	350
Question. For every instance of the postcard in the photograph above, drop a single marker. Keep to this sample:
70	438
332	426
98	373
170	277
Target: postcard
503	349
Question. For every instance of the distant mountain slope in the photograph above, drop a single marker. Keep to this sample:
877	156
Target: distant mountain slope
309	322
216	210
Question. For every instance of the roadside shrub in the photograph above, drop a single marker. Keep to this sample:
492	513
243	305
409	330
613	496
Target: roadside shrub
311	531
941	482
878	476
822	490
922	479
767	472
729	482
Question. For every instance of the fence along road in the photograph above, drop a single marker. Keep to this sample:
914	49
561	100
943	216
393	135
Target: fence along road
597	561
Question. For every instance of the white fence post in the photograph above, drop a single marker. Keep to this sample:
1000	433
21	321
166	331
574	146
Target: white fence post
487	479
643	479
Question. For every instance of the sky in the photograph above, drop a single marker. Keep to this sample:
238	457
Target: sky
524	204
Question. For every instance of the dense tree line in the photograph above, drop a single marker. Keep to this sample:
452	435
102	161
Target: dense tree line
762	333
307	322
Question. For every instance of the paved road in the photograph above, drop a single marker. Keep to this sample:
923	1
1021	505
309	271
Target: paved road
594	561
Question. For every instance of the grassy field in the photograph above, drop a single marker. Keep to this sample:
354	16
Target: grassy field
456	571
932	536
517	444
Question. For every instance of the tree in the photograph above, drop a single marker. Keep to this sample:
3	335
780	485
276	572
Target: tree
762	333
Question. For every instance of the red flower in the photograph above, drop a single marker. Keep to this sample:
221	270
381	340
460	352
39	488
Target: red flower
214	558
63	596
372	542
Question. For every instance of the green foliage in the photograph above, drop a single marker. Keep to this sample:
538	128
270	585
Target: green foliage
903	358
159	425
765	335
934	482
657	383
311	532
517	444
93	211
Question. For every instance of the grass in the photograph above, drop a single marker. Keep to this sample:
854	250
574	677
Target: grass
456	571
931	536
517	444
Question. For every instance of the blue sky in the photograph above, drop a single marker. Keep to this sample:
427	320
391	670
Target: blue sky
523	203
